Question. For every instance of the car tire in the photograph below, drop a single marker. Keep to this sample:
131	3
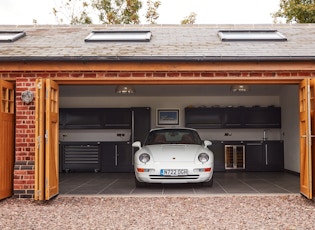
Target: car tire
208	183
139	184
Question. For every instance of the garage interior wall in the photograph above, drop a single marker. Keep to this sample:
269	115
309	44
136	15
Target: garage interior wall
286	99
289	101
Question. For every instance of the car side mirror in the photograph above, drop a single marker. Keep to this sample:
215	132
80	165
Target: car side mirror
207	143
136	144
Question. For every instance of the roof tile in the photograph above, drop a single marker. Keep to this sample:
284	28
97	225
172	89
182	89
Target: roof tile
168	42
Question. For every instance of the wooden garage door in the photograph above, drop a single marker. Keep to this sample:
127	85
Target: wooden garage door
47	131
307	134
6	139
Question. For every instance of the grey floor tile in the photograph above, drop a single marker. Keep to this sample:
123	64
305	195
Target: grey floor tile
224	183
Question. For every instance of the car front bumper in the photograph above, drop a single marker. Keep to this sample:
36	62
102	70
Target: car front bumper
194	175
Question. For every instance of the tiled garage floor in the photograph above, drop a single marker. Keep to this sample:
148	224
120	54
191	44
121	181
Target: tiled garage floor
224	183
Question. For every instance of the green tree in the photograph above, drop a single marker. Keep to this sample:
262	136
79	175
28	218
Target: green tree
73	11
110	12
299	11
190	19
105	11
118	11
151	14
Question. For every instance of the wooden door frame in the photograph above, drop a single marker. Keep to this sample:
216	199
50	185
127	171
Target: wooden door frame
46	146
307	137
178	81
39	190
7	135
52	140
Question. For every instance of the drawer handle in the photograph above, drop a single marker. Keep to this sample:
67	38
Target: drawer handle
116	156
266	154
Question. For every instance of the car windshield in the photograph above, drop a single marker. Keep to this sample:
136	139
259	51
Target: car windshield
173	136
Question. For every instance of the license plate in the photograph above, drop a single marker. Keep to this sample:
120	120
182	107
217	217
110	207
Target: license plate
173	172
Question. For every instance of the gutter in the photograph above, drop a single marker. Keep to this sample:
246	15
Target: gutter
157	58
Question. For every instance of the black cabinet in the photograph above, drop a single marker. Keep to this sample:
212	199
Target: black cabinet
141	123
263	117
116	118
83	156
264	156
95	118
105	156
217	148
233	117
260	156
204	118
79	118
254	156
273	156
116	157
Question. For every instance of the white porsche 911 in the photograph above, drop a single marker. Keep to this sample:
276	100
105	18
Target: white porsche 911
173	155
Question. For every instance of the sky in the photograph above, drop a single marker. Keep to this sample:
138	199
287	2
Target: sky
22	12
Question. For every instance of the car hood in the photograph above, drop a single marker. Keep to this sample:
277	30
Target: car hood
162	153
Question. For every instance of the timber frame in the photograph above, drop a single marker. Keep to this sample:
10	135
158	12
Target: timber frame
306	65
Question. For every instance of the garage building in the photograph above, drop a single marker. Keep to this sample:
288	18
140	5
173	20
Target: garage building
67	90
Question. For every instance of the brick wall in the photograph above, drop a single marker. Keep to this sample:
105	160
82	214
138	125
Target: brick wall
24	139
24	176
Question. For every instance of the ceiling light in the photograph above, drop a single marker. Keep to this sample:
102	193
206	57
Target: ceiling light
239	88
125	89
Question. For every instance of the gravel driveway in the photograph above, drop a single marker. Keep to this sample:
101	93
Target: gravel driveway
160	212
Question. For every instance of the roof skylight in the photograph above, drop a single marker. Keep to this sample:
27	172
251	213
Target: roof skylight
119	36
251	35
11	36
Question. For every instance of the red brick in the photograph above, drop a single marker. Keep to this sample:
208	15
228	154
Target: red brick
90	75
124	75
111	74
28	75
140	74
30	182
14	75
159	74
221	74
17	186
235	74
20	172
186	74
283	74
269	74
76	75
66	75
304	74
207	74
43	75
255	74
99	75
173	74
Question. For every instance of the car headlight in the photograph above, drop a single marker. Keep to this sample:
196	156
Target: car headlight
144	157
203	157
